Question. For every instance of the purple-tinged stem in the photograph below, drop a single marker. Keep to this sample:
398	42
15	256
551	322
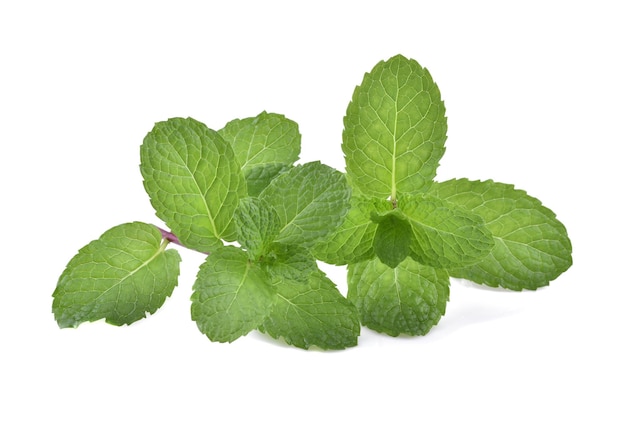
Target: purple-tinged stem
171	237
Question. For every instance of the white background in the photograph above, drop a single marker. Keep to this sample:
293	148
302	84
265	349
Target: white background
534	94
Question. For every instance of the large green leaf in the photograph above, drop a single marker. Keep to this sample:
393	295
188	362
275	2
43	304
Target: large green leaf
120	277
231	296
311	200
193	180
408	299
312	313
395	130
531	247
445	235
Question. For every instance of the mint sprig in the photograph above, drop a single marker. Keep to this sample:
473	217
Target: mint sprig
198	182
406	233
237	195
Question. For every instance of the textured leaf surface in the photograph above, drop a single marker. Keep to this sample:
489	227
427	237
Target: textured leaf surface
257	225
290	262
120	277
395	130
231	297
393	238
313	313
259	177
311	200
531	248
408	299
445	235
353	241
193	180
264	146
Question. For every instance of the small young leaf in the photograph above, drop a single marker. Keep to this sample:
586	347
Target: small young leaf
193	180
408	299
120	277
393	239
231	297
445	235
311	200
264	145
531	246
395	130
291	262
353	241
257	225
312	313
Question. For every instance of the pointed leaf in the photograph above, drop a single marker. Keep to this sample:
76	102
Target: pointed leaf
120	277
393	239
231	296
395	130
408	299
193	180
531	248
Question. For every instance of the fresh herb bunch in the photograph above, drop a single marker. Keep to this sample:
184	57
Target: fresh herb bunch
236	195
235	185
405	234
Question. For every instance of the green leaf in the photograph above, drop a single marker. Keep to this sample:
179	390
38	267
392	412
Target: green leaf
313	313
445	235
266	138
259	177
291	262
311	200
531	248
264	145
120	277
231	296
257	225
408	299
193	180
353	241
393	238
394	130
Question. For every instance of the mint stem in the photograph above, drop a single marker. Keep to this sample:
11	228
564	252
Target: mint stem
172	238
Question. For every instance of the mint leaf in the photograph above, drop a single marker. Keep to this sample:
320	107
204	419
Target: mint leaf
290	262
266	138
312	313
231	296
408	299
354	239
395	130
257	225
193	180
393	238
120	277
531	246
311	200
445	235
259	177
264	146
